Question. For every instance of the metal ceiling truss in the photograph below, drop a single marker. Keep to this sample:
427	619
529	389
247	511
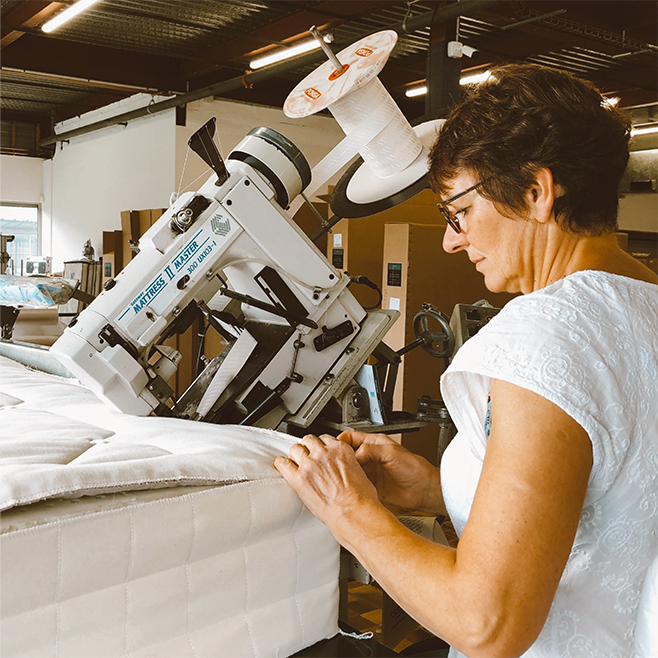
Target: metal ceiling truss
200	48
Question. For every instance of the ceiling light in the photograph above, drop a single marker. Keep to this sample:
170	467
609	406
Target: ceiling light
473	79
67	15
611	100
287	53
415	91
644	130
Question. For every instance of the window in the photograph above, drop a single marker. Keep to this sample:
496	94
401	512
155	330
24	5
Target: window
21	221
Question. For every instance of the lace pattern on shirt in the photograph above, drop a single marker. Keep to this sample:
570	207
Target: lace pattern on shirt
589	344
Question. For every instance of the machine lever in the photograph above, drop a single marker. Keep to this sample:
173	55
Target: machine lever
203	145
270	308
272	401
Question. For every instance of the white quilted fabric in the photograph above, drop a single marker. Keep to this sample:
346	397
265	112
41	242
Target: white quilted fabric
236	569
62	440
588	343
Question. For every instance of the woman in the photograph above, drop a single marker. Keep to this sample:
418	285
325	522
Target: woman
551	481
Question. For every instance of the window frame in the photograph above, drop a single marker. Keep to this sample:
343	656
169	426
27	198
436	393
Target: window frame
37	206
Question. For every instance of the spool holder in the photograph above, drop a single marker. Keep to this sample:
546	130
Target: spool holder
392	166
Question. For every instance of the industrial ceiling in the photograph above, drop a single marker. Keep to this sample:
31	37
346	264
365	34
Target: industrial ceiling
120	47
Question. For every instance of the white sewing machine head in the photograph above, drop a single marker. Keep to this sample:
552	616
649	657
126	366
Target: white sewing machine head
296	335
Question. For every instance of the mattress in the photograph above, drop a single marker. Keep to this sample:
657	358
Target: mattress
125	536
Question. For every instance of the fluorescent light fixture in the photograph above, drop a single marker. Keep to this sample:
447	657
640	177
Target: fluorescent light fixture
67	15
473	79
644	130
287	53
415	91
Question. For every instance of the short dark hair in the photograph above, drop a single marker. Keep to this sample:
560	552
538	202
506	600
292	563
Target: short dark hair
525	117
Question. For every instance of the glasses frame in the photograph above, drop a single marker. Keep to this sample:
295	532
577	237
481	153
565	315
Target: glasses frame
451	219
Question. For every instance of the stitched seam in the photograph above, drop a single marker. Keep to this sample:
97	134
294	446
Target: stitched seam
58	590
187	577
246	575
297	560
129	568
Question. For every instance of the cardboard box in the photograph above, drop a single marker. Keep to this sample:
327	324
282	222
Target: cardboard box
134	223
307	220
156	213
357	245
417	270
129	231
113	244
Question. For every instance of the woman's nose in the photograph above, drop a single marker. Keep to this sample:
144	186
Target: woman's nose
453	241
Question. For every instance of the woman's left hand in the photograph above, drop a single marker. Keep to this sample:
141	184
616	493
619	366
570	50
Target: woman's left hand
327	477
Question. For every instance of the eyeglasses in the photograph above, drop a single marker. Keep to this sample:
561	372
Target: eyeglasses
451	218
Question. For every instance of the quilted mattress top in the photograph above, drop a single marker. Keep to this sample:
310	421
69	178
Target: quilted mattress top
58	439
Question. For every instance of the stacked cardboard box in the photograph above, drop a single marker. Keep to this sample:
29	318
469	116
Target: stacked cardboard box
134	223
357	245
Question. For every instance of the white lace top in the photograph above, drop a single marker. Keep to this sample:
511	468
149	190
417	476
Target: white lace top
588	343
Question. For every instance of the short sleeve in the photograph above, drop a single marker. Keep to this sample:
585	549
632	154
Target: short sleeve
547	344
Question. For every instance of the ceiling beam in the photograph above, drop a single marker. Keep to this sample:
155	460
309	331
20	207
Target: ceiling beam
47	80
59	57
25	15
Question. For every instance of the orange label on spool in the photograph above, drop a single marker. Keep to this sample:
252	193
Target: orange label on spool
313	93
336	74
364	52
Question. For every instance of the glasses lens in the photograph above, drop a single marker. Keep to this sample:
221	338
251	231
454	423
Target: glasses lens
451	220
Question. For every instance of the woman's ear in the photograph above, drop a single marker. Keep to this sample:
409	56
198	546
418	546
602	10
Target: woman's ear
541	195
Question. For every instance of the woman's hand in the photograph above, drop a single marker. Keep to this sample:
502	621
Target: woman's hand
404	481
328	478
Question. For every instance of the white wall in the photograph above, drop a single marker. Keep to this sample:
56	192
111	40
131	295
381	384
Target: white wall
314	136
21	179
96	176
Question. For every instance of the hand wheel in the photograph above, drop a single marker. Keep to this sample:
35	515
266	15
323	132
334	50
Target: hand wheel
437	343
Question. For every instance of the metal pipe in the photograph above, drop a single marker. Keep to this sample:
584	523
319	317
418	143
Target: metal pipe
327	51
461	8
218	89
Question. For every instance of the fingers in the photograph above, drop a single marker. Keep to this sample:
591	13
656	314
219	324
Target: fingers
297	452
368	452
285	466
357	439
352	437
380	451
312	441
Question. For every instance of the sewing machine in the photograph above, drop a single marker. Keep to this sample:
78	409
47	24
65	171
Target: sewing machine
297	339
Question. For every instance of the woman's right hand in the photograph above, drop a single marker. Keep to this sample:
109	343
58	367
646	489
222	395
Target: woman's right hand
404	481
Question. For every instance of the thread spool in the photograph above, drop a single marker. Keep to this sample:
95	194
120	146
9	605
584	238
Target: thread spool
396	146
354	95
394	154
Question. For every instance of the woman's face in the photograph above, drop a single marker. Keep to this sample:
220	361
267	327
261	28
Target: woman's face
501	247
